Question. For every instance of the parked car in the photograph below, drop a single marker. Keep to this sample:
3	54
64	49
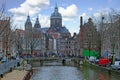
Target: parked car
92	59
4	59
104	62
96	61
116	65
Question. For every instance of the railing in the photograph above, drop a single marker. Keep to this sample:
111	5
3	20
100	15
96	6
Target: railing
7	66
28	75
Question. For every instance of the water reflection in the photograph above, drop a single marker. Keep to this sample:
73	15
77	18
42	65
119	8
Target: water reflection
96	74
57	73
103	77
71	73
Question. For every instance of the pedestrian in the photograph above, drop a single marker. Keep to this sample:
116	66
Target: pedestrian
63	61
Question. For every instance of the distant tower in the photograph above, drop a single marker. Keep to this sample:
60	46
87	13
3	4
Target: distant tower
28	24
56	18
37	24
81	21
81	24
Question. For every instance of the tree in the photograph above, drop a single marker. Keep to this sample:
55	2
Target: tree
17	43
102	28
4	29
33	40
109	32
6	25
114	33
101	33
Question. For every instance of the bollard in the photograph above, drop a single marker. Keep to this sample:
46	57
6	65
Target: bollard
1	75
63	61
11	69
18	64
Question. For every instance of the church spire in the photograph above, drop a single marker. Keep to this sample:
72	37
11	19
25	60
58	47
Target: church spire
37	24
56	5
37	20
28	18
56	8
28	23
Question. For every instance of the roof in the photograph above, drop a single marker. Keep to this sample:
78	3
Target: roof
56	14
44	30
20	30
59	29
28	19
63	30
37	24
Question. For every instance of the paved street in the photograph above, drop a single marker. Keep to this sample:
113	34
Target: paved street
15	75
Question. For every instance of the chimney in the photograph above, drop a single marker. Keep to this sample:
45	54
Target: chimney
81	21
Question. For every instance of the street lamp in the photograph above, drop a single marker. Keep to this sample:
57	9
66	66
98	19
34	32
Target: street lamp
101	36
113	48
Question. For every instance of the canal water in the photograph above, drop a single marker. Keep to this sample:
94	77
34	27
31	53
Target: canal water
71	73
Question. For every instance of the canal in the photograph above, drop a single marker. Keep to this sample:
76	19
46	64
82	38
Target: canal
71	73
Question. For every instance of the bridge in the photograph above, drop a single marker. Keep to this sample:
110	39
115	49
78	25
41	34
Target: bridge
51	61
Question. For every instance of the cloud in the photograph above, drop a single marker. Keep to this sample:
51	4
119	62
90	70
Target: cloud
44	20
90	9
31	6
69	12
97	14
102	12
83	15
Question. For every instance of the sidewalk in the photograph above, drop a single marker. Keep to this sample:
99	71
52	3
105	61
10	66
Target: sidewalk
15	75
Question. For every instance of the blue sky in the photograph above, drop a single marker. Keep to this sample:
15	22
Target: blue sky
71	10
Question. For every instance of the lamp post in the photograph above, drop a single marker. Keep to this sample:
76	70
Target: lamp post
101	36
113	48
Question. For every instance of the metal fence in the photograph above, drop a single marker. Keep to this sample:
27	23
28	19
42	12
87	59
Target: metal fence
7	66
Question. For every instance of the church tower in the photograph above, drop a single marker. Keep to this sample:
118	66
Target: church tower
56	18
28	24
37	24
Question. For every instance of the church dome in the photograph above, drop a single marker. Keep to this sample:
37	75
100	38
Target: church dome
56	14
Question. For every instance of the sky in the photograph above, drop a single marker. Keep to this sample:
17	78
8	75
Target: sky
71	10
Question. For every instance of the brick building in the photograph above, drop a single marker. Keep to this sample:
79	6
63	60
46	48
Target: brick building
5	37
88	35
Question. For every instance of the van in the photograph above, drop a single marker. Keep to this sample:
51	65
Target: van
116	65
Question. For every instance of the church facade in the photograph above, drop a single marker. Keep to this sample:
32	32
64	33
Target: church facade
59	33
54	39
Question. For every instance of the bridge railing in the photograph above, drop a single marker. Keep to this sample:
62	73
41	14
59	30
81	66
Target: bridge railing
5	67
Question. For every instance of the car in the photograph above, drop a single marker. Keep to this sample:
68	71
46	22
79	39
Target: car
4	59
104	62
96	61
116	65
92	59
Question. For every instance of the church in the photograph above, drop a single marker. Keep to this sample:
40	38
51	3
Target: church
55	39
59	33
